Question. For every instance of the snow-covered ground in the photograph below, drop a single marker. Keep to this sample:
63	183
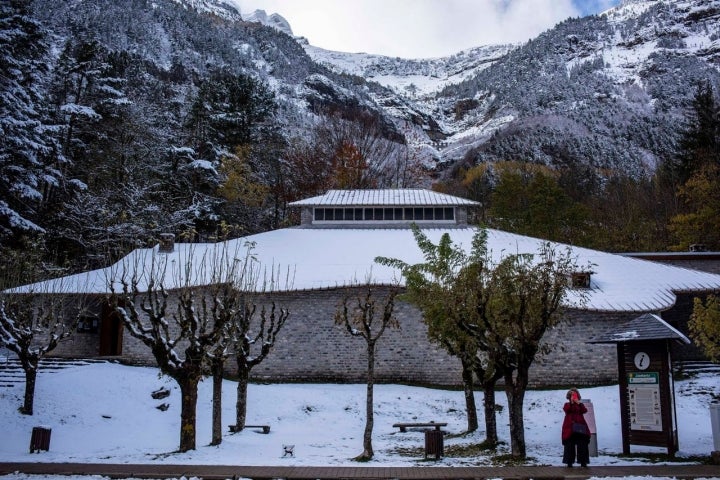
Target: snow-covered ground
105	413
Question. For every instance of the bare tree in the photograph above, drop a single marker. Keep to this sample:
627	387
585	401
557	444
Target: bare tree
252	344
360	320
162	306
33	322
358	152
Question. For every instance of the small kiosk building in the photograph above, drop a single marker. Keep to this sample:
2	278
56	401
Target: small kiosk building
647	393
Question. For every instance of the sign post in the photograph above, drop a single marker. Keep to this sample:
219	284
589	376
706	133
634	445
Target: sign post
647	391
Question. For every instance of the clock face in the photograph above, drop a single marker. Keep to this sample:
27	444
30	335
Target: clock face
642	360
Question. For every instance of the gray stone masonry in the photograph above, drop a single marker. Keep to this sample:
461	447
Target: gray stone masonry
312	348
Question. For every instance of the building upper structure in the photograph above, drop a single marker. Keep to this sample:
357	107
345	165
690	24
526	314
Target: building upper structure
394	208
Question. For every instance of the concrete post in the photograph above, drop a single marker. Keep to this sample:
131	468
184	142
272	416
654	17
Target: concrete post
590	419
715	422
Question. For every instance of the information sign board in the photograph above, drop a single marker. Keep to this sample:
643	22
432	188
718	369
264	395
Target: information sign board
644	401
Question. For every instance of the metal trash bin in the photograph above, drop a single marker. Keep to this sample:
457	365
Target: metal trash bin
434	443
40	439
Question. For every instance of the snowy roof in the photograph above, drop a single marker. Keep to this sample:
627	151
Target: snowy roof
645	327
383	197
306	259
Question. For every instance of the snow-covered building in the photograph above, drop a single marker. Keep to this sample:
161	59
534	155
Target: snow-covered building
308	270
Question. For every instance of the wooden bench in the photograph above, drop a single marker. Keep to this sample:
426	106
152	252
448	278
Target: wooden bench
404	426
265	428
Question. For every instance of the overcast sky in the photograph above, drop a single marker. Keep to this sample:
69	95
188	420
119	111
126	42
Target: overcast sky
421	28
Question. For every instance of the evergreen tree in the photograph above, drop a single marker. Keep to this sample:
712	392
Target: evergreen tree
700	141
227	113
28	155
698	172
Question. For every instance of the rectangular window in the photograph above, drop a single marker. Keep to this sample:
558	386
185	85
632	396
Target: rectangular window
389	213
338	213
319	214
409	214
329	214
449	214
369	214
358	214
378	212
349	213
428	213
418	214
398	213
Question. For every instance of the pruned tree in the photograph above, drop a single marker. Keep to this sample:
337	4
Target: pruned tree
163	306
252	343
368	317
33	322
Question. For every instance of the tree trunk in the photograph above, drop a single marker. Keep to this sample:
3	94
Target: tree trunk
515	392
217	374
241	402
469	387
491	436
30	379
188	411
369	418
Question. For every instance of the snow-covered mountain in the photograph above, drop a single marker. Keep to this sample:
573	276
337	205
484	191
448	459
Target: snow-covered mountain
123	82
275	21
607	90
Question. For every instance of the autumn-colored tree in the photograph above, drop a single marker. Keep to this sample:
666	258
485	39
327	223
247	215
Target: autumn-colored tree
238	183
243	192
309	173
701	222
352	170
357	149
705	326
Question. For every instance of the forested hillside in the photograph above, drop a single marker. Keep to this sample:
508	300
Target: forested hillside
121	120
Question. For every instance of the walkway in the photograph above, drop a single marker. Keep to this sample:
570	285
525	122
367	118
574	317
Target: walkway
211	472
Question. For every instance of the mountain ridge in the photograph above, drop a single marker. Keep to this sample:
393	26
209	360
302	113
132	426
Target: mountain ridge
620	52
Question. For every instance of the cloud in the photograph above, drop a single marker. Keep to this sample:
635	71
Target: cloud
419	28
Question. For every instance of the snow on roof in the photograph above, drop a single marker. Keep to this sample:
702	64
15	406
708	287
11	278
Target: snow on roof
645	327
305	259
383	197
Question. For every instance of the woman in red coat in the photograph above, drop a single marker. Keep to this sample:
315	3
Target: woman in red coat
575	431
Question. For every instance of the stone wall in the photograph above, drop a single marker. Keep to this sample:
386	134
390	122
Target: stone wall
312	348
